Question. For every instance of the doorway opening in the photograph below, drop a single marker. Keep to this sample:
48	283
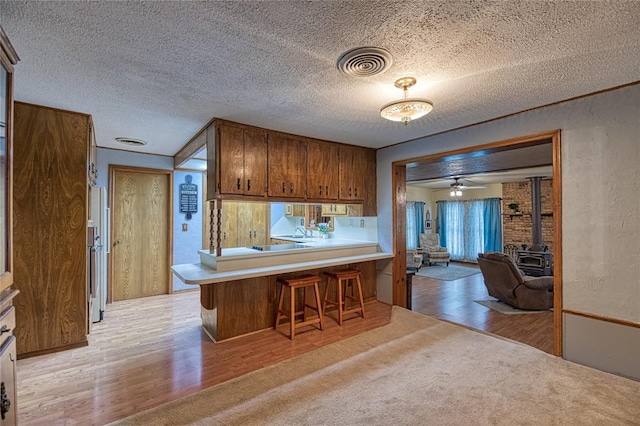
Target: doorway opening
542	150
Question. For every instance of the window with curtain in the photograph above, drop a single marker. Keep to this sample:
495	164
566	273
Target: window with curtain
415	223
469	227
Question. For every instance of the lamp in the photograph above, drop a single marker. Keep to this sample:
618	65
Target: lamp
406	109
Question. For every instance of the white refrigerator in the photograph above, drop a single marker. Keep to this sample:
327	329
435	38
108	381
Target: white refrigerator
100	219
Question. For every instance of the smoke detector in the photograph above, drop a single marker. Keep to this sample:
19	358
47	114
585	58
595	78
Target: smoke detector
131	141
365	61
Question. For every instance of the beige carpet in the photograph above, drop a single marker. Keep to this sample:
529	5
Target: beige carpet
416	370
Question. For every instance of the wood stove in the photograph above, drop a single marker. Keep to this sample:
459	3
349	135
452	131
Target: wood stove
535	263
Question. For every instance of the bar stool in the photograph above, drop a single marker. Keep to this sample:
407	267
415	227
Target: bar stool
293	284
344	279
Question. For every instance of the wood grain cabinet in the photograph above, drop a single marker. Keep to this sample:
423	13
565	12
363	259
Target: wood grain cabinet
323	159
287	166
244	224
353	167
242	160
254	163
50	212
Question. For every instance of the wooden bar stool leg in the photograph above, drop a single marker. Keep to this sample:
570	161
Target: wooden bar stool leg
360	295
292	293
326	296
341	301
318	305
304	304
280	302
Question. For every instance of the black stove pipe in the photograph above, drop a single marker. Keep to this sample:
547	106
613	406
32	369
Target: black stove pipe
536	215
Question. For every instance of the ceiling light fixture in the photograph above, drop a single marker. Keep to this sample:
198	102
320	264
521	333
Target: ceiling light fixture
406	109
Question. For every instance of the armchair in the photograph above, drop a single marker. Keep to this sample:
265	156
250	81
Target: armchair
431	249
507	283
414	259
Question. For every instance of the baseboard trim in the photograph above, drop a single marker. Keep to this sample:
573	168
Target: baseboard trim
602	318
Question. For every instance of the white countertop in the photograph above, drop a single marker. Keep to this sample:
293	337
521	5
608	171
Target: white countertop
198	274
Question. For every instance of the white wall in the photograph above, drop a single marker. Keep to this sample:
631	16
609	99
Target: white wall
600	194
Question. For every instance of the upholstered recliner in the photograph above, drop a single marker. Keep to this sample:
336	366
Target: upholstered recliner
431	250
507	283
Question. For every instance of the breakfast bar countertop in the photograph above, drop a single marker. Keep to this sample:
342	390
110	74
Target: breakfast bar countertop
245	262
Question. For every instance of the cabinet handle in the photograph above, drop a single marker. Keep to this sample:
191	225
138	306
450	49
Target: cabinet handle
5	402
238	183
254	234
291	187
224	235
326	190
349	192
320	189
249	234
248	184
284	187
356	190
4	329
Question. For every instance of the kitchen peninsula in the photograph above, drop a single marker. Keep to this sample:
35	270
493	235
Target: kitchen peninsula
238	288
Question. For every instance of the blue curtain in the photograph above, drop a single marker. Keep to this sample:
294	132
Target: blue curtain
493	224
469	227
415	223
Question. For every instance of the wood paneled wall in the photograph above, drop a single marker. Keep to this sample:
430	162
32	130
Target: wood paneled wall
50	227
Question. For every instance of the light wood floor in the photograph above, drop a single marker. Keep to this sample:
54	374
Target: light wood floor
150	351
454	301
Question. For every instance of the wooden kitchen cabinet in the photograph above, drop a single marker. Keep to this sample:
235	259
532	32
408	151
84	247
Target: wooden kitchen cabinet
50	212
287	166
294	209
352	173
254	163
334	210
242	160
244	224
323	159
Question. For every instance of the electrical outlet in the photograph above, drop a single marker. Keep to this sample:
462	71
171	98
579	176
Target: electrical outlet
361	223
350	223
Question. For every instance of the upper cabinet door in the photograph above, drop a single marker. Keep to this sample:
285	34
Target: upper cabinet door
255	162
323	164
231	160
242	160
353	168
287	167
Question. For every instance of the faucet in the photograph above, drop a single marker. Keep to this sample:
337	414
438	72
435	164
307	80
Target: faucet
303	230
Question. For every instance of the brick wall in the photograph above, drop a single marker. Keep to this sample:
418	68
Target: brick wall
517	229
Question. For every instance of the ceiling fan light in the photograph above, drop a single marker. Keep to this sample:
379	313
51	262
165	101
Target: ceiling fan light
458	193
453	193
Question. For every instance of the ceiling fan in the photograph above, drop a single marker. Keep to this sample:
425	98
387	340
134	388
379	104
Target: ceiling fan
457	187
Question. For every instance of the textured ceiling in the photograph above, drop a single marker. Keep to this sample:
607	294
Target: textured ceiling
159	71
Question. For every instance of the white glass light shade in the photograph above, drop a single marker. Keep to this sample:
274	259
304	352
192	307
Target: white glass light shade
406	110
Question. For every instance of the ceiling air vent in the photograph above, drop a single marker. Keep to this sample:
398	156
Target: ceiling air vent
130	141
365	61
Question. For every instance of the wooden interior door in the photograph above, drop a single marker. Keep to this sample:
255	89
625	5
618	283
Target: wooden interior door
140	252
